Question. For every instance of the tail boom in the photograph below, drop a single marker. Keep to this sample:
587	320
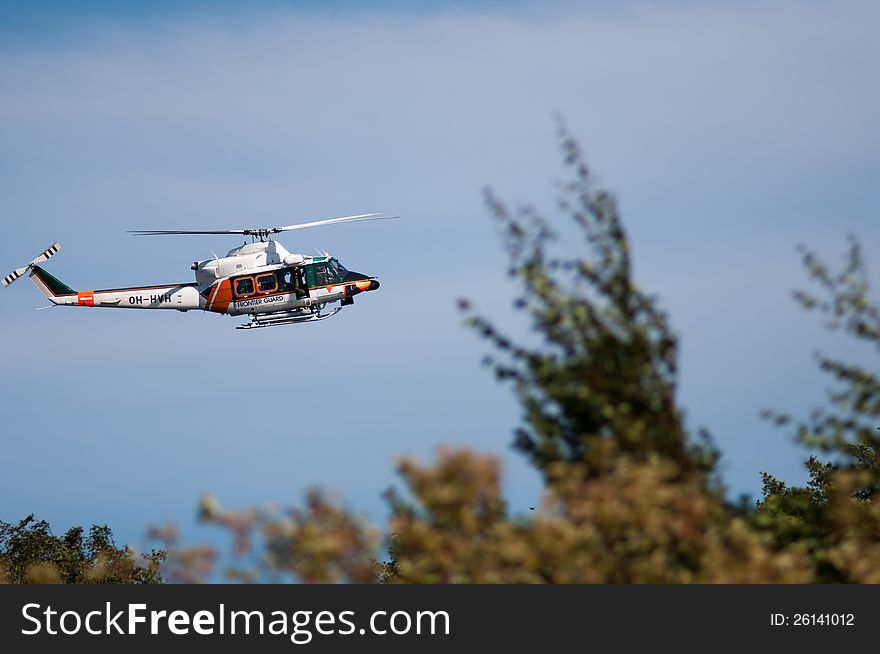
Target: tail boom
181	297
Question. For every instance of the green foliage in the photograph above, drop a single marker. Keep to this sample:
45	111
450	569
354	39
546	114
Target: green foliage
846	430
605	370
30	553
629	496
848	427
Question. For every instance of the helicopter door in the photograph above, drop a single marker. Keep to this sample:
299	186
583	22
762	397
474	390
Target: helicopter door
299	277
292	281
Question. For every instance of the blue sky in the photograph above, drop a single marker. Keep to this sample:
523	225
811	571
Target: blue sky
729	132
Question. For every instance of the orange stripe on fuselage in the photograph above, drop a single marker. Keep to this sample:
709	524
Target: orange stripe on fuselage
211	295
85	298
220	297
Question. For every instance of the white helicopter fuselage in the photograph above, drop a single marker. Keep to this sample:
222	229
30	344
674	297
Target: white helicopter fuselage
260	279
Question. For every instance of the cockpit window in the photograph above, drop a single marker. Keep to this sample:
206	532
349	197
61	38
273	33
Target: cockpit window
339	268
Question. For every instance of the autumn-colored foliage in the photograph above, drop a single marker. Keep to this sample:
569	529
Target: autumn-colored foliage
630	495
30	553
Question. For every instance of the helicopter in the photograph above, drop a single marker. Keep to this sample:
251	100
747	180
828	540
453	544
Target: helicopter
260	279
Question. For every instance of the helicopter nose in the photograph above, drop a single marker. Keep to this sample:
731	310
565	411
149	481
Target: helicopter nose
362	281
367	285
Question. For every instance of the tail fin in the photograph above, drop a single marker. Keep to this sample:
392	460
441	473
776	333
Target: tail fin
50	286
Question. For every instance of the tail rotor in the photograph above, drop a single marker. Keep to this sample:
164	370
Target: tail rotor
47	254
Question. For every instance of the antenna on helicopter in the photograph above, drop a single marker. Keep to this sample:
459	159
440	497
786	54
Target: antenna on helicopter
264	232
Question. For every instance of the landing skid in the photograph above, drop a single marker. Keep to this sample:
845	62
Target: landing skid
286	319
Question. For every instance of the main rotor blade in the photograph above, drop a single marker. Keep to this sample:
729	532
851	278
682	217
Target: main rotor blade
263	231
333	221
166	232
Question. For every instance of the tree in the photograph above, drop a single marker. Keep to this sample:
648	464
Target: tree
630	495
30	553
601	383
834	515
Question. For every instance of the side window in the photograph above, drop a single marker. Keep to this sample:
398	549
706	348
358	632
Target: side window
244	286
267	283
